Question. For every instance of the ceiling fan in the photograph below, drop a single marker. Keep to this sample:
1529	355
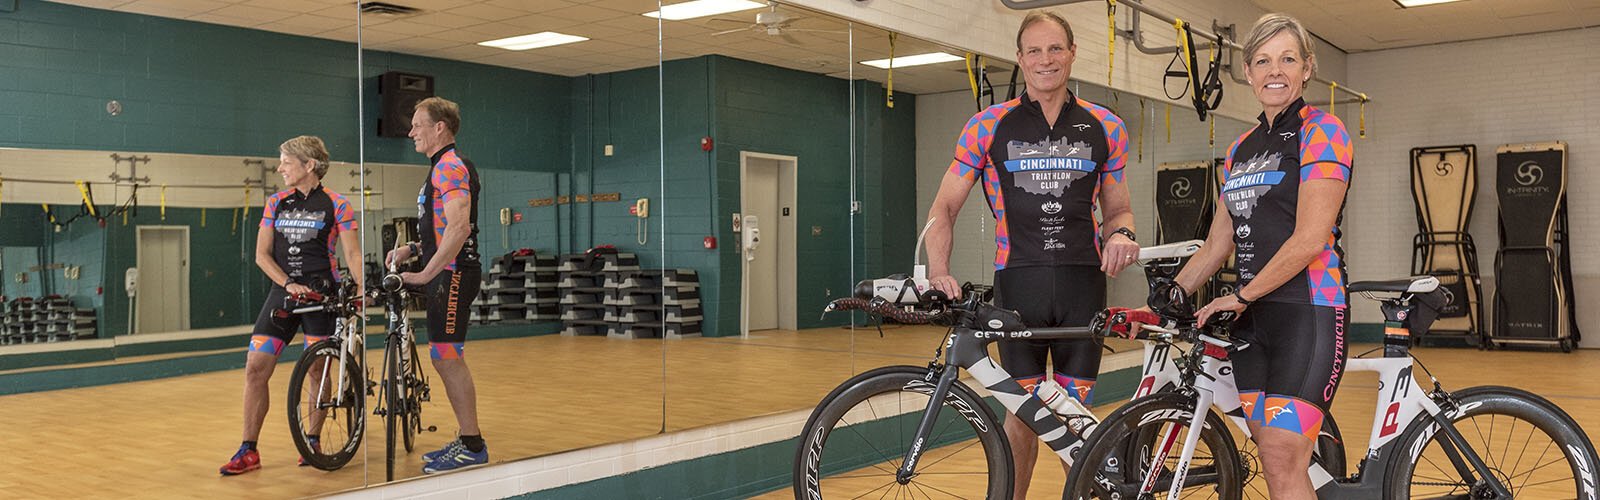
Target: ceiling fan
772	23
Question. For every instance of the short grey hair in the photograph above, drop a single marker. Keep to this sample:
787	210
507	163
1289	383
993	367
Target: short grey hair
1269	26
308	148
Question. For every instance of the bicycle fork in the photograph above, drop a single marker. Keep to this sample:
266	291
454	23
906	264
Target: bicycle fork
1168	438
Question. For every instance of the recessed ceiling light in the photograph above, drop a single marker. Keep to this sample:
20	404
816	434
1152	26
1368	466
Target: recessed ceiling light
702	8
534	41
916	60
1419	3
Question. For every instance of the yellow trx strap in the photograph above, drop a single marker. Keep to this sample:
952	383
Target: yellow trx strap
972	79
1183	47
1111	39
1363	116
83	189
888	90
46	207
1212	139
124	217
1141	129
202	217
2	193
1169	123
163	202
1333	87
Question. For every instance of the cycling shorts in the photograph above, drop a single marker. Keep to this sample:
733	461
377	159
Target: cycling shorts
275	326
1289	373
450	296
1052	296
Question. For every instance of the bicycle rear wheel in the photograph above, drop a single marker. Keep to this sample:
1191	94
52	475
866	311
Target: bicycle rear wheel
1143	440
326	399
1532	446
854	441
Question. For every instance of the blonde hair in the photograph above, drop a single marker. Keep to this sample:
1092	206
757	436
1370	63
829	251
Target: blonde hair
1038	16
306	148
442	110
1271	25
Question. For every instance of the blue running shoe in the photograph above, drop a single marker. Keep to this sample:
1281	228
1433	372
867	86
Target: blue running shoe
435	454
457	458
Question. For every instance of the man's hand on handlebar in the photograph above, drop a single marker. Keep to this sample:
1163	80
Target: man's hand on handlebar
396	256
415	280
1119	253
947	284
296	289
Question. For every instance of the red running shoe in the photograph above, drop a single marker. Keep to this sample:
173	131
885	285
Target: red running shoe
245	460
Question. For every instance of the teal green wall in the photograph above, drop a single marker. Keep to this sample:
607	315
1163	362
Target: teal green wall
221	260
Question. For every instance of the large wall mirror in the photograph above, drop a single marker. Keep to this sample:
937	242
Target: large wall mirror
139	147
559	107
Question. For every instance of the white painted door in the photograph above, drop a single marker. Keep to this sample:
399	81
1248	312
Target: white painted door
761	200
162	299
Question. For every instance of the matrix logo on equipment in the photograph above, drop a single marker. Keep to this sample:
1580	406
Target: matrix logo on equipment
1180	188
1051	207
1529	173
1242	232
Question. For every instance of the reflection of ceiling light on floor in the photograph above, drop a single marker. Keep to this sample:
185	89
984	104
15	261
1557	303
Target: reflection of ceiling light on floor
534	41
916	60
702	8
1419	3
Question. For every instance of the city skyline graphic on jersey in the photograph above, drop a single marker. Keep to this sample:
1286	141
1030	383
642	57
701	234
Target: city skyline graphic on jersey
299	225
1250	180
1048	167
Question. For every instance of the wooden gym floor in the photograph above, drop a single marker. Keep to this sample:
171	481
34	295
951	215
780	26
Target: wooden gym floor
540	395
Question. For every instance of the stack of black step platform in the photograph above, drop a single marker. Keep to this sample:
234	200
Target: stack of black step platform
583	286
654	303
520	287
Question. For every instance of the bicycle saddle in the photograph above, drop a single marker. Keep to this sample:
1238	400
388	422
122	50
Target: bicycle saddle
1170	251
1414	284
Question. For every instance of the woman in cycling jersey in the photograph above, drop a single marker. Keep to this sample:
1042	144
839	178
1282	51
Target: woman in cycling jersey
1283	194
295	249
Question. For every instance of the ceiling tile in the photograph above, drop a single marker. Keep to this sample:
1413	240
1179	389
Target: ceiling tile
253	13
180	9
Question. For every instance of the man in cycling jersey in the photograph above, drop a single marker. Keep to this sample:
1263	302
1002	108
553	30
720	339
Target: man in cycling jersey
447	211
295	248
1046	159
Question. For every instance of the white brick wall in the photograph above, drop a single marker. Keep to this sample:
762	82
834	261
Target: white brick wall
1489	93
989	27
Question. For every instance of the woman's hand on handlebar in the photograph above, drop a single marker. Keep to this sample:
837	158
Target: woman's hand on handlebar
296	289
947	284
1228	303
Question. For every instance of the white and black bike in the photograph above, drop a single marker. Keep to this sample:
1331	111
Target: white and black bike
328	388
1486	442
920	431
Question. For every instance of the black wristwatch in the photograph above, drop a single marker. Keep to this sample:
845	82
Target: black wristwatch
412	246
1239	296
1126	232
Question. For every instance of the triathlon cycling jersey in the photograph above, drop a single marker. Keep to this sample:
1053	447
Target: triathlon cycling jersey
305	228
1042	182
452	176
1261	185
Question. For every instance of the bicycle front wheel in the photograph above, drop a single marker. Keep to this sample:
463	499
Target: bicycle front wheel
411	422
854	441
326	399
1535	449
393	404
1135	453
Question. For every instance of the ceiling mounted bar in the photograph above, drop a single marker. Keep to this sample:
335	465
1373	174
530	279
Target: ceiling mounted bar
1140	8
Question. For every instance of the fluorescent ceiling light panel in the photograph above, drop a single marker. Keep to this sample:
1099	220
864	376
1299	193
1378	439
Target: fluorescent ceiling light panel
916	60
702	8
1419	3
534	41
